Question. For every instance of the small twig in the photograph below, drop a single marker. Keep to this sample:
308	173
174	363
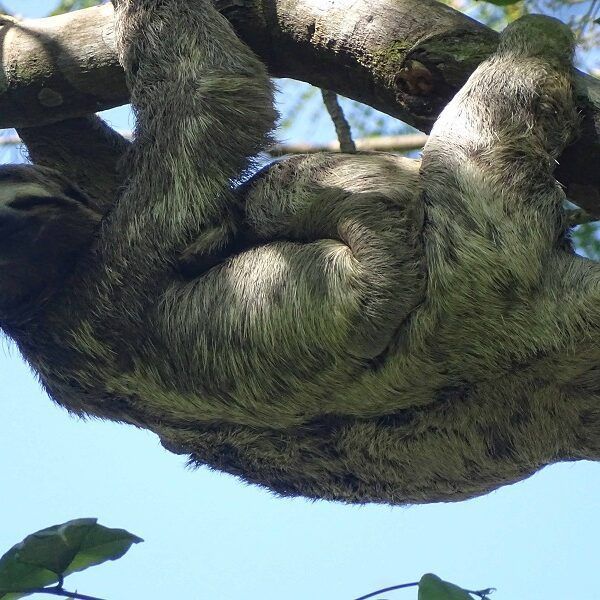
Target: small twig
483	594
339	121
389	589
588	17
58	590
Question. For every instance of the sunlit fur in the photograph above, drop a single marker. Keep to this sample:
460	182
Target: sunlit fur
343	327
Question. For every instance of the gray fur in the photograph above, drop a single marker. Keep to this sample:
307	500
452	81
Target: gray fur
342	327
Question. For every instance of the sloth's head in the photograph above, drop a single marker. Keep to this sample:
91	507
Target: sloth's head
45	224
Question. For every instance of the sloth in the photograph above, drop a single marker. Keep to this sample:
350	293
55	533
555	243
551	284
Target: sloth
361	328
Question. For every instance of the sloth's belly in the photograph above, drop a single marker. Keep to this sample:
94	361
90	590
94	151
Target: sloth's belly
409	443
470	442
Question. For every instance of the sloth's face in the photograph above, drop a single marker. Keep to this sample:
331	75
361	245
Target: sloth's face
45	224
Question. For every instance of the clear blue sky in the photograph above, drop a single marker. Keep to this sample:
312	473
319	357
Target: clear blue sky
210	537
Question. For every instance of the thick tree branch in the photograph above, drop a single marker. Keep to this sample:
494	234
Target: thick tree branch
59	67
404	57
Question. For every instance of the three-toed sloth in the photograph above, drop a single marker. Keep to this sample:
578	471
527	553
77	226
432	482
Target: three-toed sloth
364	327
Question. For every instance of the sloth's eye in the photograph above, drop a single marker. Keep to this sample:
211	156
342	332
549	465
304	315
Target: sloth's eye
28	202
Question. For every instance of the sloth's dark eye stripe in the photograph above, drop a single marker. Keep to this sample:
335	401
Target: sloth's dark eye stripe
26	202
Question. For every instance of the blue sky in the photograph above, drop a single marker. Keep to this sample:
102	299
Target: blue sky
210	537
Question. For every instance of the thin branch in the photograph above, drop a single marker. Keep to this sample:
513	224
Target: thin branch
389	143
389	589
483	594
60	591
342	128
588	17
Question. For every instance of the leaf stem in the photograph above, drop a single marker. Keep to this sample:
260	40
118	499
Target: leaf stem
483	594
389	589
60	591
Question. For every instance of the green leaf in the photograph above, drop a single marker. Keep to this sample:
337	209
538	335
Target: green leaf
587	240
100	545
46	556
431	587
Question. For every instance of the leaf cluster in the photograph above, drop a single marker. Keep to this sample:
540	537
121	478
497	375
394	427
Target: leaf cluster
43	559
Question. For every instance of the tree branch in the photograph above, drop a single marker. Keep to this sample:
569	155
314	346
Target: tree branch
404	57
381	143
59	67
342	128
384	143
59	591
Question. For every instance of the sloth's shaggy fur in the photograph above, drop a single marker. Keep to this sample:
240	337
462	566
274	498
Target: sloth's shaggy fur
360	328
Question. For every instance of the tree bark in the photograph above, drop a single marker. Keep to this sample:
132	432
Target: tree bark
404	57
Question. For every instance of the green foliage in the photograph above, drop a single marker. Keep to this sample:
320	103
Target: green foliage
587	240
431	587
69	5
44	558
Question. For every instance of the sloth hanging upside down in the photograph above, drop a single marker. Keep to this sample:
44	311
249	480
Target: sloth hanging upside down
364	327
